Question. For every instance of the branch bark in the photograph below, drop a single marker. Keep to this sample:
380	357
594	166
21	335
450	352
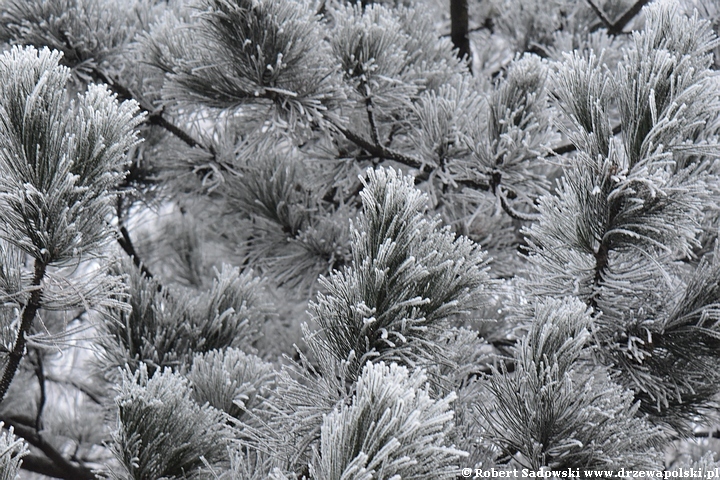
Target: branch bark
154	117
54	464
459	29
126	243
379	150
615	28
627	16
27	318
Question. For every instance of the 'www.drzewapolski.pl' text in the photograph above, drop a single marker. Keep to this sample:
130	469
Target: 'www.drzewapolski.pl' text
578	473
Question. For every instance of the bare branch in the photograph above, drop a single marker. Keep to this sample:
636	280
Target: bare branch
126	243
40	374
380	151
370	108
615	28
28	316
603	18
627	16
155	116
526	217
55	461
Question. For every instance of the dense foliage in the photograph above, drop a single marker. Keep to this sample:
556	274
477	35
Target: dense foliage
250	239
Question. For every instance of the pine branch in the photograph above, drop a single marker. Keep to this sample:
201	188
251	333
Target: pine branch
627	16
155	116
40	374
601	263
615	28
28	316
379	150
126	243
370	108
603	18
54	463
459	30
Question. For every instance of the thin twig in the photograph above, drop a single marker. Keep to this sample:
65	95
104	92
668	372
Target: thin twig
126	243
379	150
615	28
370	108
155	116
603	18
526	217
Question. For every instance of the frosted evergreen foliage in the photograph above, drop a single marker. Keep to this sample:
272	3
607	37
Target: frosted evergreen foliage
12	274
518	132
628	208
162	432
555	412
165	328
446	131
291	233
237	52
392	429
283	433
407	276
87	32
306	139
60	160
12	450
231	381
370	44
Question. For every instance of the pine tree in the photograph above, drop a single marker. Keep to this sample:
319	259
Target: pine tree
309	239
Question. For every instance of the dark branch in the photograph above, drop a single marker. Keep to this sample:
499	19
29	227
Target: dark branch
155	117
370	108
617	27
40	374
28	316
126	243
526	217
603	18
380	151
627	16
459	19
54	462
